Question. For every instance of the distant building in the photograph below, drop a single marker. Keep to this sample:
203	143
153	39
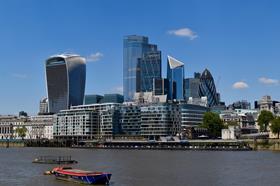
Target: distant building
138	58
160	86
277	109
175	76
198	101
65	77
107	98
38	127
192	86
242	117
240	105
148	97
8	125
112	98
43	108
207	88
92	99
266	103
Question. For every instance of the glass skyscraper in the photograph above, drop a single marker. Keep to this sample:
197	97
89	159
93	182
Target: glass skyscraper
140	65
175	76
65	77
207	88
149	68
192	86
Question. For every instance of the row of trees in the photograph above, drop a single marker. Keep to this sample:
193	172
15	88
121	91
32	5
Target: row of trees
214	125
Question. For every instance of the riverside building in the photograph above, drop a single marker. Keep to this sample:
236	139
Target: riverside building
160	119
130	119
76	124
38	127
84	122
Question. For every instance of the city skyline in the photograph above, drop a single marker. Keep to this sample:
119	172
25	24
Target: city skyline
238	44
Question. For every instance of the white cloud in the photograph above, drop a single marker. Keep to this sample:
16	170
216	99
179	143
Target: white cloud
268	81
94	57
19	76
240	85
184	32
118	89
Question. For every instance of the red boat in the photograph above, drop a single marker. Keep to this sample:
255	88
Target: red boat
81	176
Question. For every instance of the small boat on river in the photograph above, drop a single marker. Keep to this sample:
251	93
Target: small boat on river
54	160
81	176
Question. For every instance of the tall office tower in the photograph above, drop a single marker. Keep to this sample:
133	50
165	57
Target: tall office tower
175	76
192	86
137	55
148	69
207	88
65	77
43	106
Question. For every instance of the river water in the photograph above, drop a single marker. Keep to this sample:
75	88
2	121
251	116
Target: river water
146	167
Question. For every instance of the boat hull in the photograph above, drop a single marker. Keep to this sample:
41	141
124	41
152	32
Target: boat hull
98	178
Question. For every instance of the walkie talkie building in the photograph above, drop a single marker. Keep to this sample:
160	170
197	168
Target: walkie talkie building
65	77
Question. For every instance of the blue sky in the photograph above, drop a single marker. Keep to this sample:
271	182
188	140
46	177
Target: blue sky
237	40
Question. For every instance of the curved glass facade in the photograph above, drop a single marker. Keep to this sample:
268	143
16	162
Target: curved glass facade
137	53
65	76
207	88
175	76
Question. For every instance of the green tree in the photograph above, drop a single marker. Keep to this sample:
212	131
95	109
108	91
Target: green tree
21	131
275	126
264	118
213	123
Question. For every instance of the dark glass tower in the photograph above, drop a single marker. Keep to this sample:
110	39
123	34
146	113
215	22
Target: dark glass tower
65	76
175	76
160	86
207	88
137	55
192	86
149	68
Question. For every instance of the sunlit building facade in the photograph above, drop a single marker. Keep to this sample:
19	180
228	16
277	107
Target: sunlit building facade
175	76
137	55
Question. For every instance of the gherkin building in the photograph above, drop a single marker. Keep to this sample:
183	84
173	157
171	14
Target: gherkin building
207	88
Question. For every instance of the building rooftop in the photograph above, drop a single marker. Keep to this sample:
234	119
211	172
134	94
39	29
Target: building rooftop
174	63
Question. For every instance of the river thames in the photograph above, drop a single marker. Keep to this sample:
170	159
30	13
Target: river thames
146	167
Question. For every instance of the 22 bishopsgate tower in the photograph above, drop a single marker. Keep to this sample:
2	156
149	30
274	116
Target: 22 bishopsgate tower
141	65
65	76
